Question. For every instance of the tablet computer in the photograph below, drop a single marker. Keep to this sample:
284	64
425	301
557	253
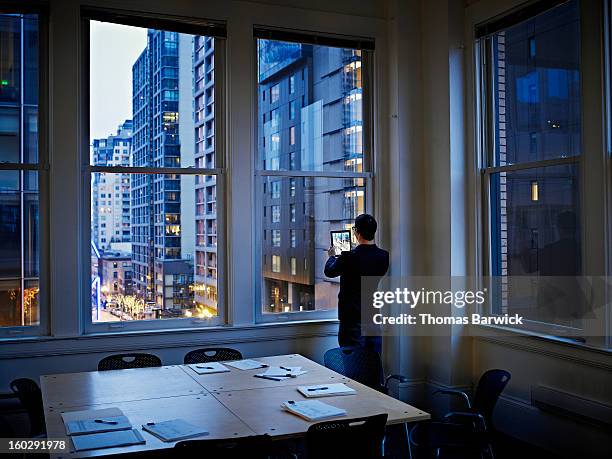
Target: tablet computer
341	240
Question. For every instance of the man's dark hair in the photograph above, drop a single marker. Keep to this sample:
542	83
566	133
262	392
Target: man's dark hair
366	226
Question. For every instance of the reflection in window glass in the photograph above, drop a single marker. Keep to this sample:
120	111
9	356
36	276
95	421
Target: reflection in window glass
535	211
326	125
538	98
153	236
19	225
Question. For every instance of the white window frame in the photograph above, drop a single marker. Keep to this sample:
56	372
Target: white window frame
593	161
42	168
89	327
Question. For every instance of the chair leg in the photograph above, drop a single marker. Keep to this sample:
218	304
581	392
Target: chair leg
407	431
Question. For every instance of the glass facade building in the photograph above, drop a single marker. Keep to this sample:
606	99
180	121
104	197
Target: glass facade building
19	200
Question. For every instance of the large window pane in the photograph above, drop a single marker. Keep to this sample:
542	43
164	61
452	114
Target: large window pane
151	261
154	236
19	200
535	232
296	223
536	67
310	107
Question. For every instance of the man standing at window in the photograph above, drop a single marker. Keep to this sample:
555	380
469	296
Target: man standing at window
364	260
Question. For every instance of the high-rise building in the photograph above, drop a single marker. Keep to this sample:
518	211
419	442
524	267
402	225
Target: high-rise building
161	259
111	192
309	119
205	187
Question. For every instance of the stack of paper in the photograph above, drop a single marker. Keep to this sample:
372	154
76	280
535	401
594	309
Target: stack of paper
246	364
174	430
207	368
107	440
98	429
326	390
95	421
281	373
313	410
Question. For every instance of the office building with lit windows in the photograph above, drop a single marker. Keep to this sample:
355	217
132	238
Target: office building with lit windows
111	202
300	86
160	217
205	186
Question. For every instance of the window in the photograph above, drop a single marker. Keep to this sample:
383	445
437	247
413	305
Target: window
293	238
21	258
274	93
532	160
276	189
275	214
316	185
276	264
276	238
164	225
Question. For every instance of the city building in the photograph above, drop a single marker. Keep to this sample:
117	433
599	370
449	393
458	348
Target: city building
111	192
160	218
115	270
205	186
309	119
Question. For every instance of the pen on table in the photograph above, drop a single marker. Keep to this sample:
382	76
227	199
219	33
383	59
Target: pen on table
205	368
267	377
105	421
317	388
285	368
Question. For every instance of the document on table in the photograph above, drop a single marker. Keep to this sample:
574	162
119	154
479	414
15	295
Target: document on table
284	372
313	410
326	390
174	430
246	364
107	440
207	368
95	421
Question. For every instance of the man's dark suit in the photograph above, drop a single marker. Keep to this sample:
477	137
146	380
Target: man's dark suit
363	260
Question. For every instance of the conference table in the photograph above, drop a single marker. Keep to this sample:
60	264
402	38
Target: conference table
228	405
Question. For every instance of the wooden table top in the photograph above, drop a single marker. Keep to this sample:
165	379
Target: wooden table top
97	387
202	410
237	379
230	404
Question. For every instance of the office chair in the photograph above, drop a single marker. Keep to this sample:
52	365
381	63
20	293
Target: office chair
361	364
30	396
212	354
256	447
360	438
125	361
470	430
490	386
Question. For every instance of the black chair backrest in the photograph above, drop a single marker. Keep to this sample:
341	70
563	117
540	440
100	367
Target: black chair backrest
355	438
490	386
125	361
30	396
212	354
361	364
256	447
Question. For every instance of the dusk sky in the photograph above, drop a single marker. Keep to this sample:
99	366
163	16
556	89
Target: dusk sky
114	49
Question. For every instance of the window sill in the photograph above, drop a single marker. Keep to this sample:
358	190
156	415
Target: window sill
112	341
541	343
